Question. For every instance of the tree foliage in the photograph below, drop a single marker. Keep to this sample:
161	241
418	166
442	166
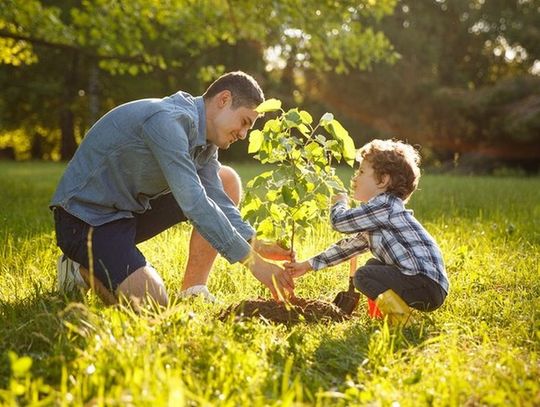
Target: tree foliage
463	83
63	63
152	34
283	202
84	42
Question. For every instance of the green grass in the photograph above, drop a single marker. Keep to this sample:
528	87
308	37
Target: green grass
480	348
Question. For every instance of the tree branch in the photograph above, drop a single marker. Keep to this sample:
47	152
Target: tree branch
69	47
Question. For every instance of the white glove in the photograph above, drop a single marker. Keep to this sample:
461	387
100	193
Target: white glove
198	290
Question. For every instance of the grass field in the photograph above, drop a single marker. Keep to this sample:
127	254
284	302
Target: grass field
481	348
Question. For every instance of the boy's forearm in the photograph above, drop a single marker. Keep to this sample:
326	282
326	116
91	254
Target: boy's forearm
341	251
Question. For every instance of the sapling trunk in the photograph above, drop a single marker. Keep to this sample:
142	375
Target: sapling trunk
292	236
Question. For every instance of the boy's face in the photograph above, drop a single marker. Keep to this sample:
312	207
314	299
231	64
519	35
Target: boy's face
366	185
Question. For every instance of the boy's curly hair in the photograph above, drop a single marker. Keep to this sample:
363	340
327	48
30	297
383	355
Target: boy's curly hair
397	159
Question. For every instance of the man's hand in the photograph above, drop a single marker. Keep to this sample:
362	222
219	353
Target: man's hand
279	282
272	251
342	197
296	270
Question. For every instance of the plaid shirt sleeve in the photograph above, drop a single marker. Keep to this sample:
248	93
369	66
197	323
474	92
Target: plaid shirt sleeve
340	251
368	216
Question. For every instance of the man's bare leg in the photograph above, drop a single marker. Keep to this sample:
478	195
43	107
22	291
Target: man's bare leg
146	282
143	283
201	253
103	293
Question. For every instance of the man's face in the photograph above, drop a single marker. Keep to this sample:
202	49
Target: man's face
231	125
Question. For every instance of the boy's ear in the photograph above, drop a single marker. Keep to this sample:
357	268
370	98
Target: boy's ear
385	181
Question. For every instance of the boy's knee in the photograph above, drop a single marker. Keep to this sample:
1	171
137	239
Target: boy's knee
358	279
363	281
232	184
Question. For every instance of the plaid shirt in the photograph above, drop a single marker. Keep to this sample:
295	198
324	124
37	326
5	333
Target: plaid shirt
391	232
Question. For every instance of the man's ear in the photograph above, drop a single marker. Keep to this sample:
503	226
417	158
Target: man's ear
223	98
385	181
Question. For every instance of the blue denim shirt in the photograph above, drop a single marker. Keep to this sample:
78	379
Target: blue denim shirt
146	148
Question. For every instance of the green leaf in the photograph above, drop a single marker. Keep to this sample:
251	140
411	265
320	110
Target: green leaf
21	366
292	119
256	139
306	117
336	185
270	105
266	228
290	196
277	212
303	129
273	125
314	150
272	195
326	118
347	144
259	180
335	149
322	200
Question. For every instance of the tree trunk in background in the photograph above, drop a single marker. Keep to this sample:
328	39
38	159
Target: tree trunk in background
67	123
36	149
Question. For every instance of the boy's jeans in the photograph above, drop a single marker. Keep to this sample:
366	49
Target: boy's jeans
417	291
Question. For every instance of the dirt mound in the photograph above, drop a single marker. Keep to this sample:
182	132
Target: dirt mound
298	310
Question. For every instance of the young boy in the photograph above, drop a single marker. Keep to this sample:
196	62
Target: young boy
407	269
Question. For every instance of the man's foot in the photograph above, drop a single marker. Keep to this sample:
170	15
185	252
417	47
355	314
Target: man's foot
68	277
201	290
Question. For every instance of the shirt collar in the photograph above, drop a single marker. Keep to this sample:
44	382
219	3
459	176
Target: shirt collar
201	111
390	198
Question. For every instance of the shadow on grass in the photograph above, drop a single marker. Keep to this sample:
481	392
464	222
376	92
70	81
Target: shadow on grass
365	346
37	327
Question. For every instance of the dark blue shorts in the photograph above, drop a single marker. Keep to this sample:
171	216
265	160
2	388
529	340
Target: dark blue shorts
114	251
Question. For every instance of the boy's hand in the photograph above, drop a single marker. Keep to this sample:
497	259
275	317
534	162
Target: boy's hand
297	269
273	251
342	197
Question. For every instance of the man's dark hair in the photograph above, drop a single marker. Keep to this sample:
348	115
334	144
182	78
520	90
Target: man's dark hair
245	90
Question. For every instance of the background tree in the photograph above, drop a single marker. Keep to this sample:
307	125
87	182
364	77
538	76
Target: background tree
467	80
176	44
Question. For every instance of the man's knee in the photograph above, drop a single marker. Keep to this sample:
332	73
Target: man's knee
142	284
232	184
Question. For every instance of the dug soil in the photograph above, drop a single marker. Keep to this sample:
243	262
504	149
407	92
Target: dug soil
298	310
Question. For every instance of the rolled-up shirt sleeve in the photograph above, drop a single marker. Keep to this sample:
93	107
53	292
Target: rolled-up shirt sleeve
166	136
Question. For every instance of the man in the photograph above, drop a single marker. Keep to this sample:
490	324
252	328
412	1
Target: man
146	166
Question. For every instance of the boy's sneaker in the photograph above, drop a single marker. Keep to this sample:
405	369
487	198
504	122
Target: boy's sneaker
68	277
201	290
392	306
